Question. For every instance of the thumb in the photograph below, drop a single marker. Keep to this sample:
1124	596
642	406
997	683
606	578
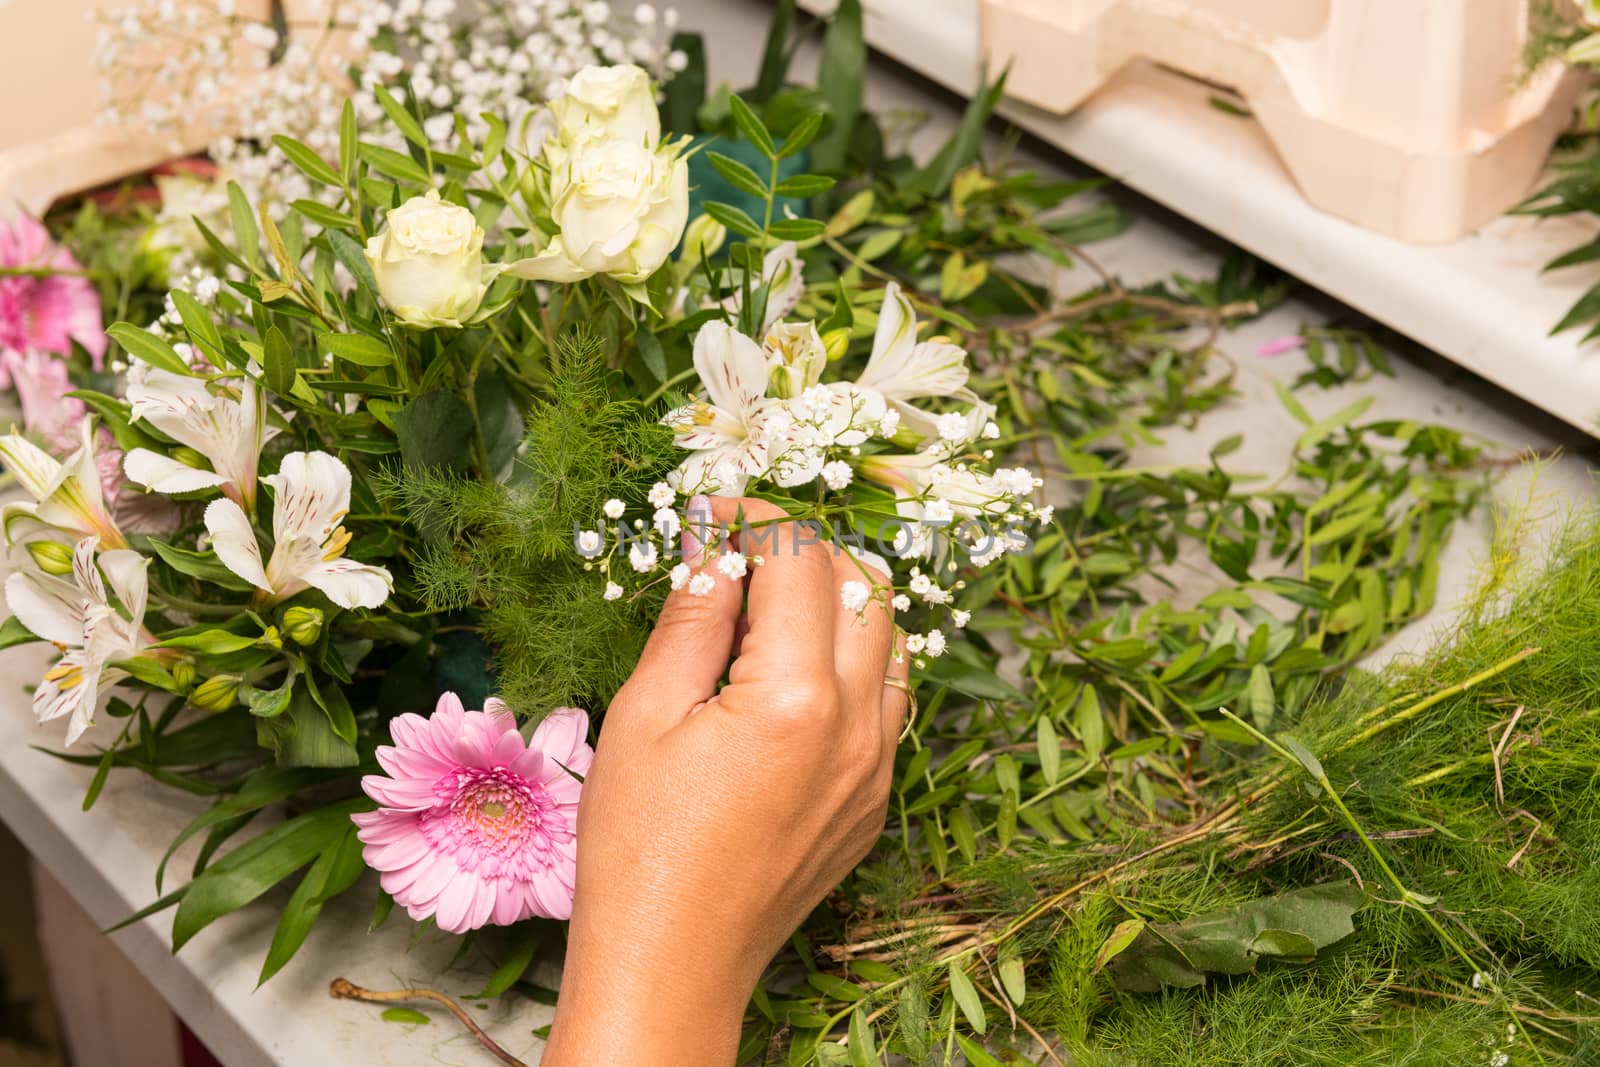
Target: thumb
692	642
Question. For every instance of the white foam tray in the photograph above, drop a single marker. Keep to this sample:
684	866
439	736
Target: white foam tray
1481	301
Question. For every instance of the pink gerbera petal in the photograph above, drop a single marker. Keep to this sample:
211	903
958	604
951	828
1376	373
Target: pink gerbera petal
475	825
46	311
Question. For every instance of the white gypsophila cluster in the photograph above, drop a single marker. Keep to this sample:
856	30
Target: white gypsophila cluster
908	423
458	57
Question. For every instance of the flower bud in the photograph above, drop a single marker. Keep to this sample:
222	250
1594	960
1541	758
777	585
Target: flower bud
302	624
216	693
835	342
270	638
184	674
52	557
705	236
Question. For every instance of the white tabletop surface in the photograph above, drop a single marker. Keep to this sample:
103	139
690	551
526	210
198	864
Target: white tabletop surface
107	857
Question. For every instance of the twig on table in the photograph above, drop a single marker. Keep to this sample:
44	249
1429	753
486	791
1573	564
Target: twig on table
344	989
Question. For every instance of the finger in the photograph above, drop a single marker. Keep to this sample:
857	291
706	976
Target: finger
896	701
863	634
791	603
692	642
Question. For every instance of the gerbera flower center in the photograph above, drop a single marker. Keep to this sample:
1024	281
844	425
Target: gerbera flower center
494	820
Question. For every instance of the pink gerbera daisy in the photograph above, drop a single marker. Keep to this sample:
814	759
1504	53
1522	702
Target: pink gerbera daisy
475	825
46	312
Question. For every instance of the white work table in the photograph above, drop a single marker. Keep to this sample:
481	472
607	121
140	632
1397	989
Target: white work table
106	858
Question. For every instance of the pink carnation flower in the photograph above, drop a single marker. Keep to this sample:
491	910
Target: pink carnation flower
51	311
475	825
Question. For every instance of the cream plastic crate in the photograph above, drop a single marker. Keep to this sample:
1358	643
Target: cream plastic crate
54	145
1407	117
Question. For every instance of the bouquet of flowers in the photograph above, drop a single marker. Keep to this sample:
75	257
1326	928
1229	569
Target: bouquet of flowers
331	432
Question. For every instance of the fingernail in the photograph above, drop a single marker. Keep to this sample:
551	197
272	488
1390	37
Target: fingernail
696	529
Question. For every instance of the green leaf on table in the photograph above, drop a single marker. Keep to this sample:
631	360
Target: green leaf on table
259	864
524	946
264	786
1091	723
1292	926
966	995
863	1047
976	1054
1014	979
1049	750
1307	758
334	871
409	1016
1259	699
1122	935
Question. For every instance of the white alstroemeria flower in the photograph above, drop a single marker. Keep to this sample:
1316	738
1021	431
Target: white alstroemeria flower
904	369
78	616
726	432
795	358
920	477
311	494
67	495
781	274
224	421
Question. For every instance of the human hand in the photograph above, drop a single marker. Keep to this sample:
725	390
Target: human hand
712	822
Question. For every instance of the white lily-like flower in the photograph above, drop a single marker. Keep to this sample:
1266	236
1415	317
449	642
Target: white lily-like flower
81	619
904	369
311	495
67	497
726	432
918	477
224	421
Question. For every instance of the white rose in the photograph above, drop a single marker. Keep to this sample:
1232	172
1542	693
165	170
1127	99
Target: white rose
608	104
621	209
428	260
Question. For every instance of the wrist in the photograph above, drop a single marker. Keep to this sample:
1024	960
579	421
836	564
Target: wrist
627	1008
